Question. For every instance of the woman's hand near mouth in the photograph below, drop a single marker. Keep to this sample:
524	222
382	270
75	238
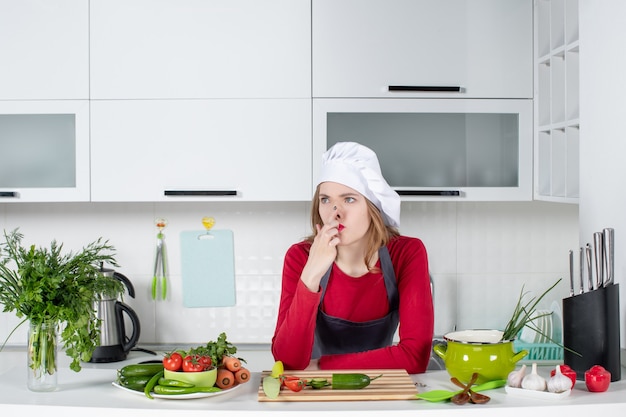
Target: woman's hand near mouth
322	254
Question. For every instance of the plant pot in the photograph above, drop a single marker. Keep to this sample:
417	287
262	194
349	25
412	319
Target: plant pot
478	351
42	356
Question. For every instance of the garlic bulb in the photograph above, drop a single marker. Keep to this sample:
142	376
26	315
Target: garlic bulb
559	382
514	380
534	381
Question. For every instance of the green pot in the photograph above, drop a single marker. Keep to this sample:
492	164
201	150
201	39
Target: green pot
478	351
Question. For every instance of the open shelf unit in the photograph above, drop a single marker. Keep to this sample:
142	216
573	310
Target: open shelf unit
557	101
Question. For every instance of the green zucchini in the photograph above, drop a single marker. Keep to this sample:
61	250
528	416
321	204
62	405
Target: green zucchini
168	390
351	381
140	369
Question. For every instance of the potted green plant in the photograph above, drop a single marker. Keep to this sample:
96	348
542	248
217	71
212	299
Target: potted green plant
55	292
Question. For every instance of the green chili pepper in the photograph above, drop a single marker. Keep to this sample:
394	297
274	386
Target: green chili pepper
168	390
151	384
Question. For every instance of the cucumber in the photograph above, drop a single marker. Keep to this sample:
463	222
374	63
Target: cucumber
318	383
140	369
133	380
135	387
351	381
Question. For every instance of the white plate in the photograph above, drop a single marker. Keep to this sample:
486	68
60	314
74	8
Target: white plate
542	395
181	396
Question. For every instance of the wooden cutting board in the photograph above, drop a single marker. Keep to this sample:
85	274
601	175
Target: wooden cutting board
395	384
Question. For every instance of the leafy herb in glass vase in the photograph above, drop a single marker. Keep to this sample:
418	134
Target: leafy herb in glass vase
44	285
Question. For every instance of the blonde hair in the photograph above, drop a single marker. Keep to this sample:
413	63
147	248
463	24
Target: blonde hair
378	233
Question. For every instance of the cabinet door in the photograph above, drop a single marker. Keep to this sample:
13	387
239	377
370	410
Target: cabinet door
44	47
44	151
200	49
362	47
437	149
201	150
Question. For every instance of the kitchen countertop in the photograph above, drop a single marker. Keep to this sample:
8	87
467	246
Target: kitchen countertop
90	392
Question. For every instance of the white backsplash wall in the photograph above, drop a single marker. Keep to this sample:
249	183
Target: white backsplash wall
481	254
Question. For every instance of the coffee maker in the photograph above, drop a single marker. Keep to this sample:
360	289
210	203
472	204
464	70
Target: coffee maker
114	343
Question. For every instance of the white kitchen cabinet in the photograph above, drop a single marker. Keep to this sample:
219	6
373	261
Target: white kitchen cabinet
425	48
557	135
437	149
44	48
44	151
201	150
186	49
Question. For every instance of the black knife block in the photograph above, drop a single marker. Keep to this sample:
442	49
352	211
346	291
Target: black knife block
591	328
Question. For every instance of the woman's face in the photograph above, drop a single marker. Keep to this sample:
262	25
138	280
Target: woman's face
348	207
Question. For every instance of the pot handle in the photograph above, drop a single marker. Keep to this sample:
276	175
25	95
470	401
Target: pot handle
519	356
121	308
440	350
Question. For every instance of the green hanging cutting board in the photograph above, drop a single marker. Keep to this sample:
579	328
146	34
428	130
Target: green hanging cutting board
208	268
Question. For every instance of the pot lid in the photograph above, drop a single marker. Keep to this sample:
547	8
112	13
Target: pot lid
475	336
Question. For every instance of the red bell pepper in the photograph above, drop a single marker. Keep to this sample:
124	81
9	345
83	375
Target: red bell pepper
597	379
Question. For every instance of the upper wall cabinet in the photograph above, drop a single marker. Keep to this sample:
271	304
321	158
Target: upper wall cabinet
44	150
44	49
185	49
423	48
201	150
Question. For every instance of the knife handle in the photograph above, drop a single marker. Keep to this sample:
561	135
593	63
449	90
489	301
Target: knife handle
609	252
581	270
571	272
598	246
589	268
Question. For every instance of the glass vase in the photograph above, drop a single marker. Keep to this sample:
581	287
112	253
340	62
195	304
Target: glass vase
42	356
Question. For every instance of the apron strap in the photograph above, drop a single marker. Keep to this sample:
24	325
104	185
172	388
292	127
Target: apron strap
388	275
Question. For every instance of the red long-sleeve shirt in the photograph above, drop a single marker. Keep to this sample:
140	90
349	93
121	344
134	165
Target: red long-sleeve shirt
358	299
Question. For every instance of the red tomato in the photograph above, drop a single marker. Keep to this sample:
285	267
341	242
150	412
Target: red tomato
192	364
597	379
295	384
172	361
568	372
205	361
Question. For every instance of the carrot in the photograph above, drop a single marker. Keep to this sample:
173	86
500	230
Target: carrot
242	375
231	363
225	378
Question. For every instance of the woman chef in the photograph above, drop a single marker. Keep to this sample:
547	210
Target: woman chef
347	287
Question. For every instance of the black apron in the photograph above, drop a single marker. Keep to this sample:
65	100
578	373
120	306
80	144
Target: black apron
334	335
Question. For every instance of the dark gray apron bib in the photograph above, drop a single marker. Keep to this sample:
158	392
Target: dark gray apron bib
334	335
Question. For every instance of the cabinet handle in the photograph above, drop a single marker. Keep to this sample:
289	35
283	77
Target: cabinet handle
430	193
192	193
8	194
435	88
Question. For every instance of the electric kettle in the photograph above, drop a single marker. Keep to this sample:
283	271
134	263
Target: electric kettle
114	344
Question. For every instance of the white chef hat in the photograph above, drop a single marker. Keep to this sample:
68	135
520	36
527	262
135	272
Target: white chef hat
356	166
